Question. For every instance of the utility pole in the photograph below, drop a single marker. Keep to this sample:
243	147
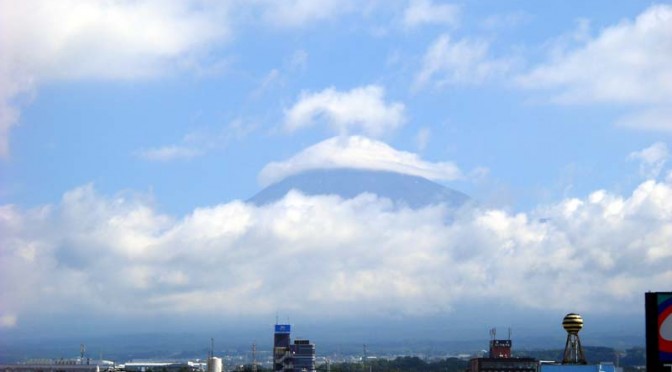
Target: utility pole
364	357
254	357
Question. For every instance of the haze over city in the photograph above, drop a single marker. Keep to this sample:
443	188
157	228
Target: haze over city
133	135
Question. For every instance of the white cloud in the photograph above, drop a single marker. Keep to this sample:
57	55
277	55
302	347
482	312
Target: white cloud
223	260
652	159
421	12
105	40
627	63
448	62
362	109
44	41
359	153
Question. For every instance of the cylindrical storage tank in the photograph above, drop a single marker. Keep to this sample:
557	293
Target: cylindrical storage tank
214	364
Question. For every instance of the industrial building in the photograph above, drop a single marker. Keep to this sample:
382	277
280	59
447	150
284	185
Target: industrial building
500	360
600	367
303	354
52	366
160	367
214	364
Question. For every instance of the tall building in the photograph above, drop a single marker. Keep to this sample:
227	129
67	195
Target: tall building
287	357
303	353
281	351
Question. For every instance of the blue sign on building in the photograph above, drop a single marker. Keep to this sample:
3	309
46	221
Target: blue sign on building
283	328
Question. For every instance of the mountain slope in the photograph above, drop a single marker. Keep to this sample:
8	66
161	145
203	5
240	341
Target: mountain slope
412	191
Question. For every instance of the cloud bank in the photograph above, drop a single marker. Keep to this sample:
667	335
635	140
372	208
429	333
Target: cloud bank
114	255
360	153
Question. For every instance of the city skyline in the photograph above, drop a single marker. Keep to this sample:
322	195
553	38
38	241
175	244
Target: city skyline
132	132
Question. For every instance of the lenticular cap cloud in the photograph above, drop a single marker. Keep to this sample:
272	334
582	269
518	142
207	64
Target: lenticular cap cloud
358	152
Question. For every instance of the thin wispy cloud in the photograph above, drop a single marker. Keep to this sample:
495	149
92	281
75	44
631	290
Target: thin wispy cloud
168	153
458	62
652	159
423	12
199	142
506	20
299	13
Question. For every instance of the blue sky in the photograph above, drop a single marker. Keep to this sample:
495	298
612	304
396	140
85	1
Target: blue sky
135	126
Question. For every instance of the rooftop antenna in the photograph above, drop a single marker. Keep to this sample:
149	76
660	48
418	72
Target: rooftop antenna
493	333
509	333
212	347
82	350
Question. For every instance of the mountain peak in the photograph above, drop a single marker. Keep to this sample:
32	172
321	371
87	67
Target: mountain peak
406	190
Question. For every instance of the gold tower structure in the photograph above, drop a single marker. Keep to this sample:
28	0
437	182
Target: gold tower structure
572	323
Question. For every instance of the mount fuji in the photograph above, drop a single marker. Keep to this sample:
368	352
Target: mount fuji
404	190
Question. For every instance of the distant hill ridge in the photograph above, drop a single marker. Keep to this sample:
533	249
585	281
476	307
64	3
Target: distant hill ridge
405	190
